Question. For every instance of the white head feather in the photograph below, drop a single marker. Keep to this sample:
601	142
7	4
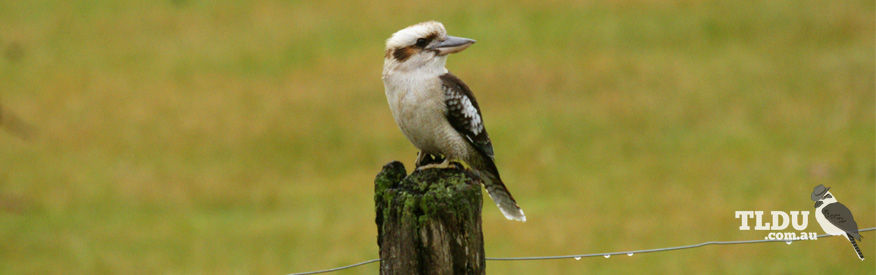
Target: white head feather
409	35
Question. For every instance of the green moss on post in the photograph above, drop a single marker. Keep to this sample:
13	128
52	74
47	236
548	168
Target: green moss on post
428	222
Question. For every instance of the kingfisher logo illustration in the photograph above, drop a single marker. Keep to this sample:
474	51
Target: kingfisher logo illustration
834	217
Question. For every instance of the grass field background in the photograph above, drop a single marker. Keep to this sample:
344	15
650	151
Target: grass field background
225	137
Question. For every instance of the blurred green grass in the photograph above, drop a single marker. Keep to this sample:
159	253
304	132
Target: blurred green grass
234	137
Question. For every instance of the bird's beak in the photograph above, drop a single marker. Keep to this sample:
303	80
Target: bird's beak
451	44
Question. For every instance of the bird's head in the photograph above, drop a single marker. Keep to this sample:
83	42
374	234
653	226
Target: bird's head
423	46
821	195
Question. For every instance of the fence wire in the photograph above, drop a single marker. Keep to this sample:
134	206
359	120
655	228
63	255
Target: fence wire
605	254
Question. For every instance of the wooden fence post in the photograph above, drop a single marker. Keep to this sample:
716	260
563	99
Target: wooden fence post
428	222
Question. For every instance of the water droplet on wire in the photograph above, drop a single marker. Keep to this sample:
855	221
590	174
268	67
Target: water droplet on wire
788	242
607	256
630	254
577	258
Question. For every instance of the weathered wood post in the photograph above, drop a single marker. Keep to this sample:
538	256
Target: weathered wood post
428	222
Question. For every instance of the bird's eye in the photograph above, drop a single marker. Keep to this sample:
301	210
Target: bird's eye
422	42
828	196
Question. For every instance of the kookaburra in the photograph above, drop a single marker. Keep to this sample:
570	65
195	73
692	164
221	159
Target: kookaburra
834	217
436	111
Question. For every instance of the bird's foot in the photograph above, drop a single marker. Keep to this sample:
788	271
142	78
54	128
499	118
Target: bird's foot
443	165
427	159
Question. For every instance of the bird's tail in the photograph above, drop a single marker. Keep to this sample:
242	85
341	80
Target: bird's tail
486	170
855	245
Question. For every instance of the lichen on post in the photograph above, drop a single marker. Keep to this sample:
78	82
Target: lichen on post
428	222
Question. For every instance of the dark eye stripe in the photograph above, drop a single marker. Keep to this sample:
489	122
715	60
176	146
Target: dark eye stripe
403	53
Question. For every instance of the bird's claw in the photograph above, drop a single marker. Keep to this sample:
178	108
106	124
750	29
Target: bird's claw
443	165
424	159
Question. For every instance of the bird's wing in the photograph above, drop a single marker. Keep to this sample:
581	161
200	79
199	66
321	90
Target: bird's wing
464	114
840	216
